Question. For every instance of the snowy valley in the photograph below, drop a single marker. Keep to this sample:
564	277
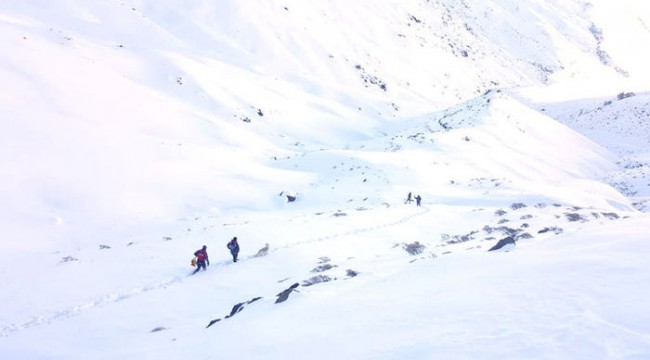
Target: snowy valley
136	131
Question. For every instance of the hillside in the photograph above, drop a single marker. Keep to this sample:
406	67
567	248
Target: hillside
136	131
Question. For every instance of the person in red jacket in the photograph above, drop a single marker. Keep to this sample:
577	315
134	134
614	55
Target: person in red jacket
201	259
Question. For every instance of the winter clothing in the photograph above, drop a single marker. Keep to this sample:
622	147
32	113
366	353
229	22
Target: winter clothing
418	199
201	258
233	246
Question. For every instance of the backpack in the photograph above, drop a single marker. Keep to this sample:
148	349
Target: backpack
200	256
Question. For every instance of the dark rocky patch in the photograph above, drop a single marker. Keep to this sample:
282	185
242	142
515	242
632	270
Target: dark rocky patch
524	236
554	229
503	242
322	268
517	206
235	310
575	217
351	273
284	295
455	239
66	259
316	280
414	248
611	216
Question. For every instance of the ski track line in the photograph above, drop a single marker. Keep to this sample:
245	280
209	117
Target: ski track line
7	330
358	231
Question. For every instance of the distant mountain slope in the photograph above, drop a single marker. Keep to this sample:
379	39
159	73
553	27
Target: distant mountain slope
122	113
620	123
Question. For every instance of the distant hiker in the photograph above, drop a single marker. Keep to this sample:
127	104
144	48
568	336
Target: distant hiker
201	259
418	199
233	246
408	199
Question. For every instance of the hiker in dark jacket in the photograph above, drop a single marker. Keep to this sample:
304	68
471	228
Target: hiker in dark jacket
233	246
201	259
418	200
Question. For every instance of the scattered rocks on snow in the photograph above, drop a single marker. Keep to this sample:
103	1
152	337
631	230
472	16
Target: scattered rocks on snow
321	268
66	259
414	248
370	79
554	229
575	217
316	280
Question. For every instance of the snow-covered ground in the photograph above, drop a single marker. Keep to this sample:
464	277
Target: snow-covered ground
136	131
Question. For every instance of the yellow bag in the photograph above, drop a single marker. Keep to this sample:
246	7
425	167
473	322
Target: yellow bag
193	261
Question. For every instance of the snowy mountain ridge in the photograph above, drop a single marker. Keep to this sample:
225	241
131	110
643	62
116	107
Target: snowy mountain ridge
136	131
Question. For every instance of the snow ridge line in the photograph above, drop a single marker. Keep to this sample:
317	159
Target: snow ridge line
7	330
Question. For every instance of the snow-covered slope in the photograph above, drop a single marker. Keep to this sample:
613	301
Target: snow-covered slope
135	131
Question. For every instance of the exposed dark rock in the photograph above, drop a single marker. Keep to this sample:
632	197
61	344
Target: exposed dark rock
322	268
611	215
575	217
503	242
524	236
414	248
316	280
517	206
351	273
504	229
284	295
235	310
212	322
68	259
555	229
159	328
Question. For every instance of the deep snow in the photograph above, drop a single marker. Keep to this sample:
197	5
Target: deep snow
133	132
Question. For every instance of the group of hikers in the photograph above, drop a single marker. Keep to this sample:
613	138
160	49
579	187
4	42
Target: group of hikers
409	199
201	260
